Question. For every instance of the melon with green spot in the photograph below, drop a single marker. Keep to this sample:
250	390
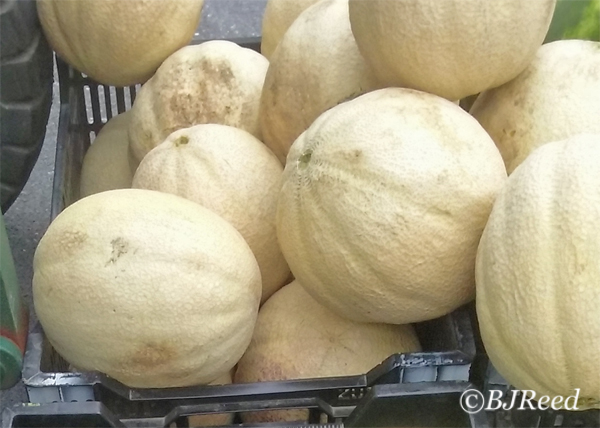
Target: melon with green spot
214	82
383	202
232	173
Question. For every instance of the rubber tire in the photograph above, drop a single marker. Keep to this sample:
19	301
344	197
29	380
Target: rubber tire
26	77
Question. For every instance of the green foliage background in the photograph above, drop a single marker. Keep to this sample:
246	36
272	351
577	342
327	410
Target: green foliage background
575	19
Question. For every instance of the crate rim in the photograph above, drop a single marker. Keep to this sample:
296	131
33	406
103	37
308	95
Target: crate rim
97	408
304	389
34	377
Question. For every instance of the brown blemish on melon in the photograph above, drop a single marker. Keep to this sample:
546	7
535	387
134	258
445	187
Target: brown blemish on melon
72	239
354	155
119	247
291	415
272	371
182	374
150	355
267	371
202	102
196	263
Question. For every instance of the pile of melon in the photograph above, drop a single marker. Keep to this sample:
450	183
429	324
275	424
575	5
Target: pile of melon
330	193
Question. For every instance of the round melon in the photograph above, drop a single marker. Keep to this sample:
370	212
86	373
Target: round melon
152	289
277	18
453	48
213	419
384	200
106	165
297	338
538	273
214	82
316	66
118	42
233	174
556	97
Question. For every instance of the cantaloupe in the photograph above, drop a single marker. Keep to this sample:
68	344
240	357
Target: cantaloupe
384	200
214	419
233	174
297	338
118	42
556	97
316	66
150	288
214	82
277	18
538	273
451	48
106	164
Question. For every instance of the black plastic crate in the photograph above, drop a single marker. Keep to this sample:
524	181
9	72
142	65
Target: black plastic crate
448	342
66	415
426	404
446	359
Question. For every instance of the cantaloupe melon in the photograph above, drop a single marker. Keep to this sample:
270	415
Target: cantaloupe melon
316	66
233	174
215	419
383	203
556	97
538	273
118	42
297	338
106	164
451	48
214	82
277	18
149	288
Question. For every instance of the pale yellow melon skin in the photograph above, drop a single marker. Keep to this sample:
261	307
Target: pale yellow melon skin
277	18
118	42
316	66
383	203
106	165
556	97
451	48
216	419
214	82
150	288
233	174
538	273
297	338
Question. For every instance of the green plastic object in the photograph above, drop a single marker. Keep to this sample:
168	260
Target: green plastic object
11	361
13	316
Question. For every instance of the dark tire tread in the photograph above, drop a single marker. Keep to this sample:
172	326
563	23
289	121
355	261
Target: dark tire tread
26	78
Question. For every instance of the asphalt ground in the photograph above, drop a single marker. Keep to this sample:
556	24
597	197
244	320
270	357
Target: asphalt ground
28	218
